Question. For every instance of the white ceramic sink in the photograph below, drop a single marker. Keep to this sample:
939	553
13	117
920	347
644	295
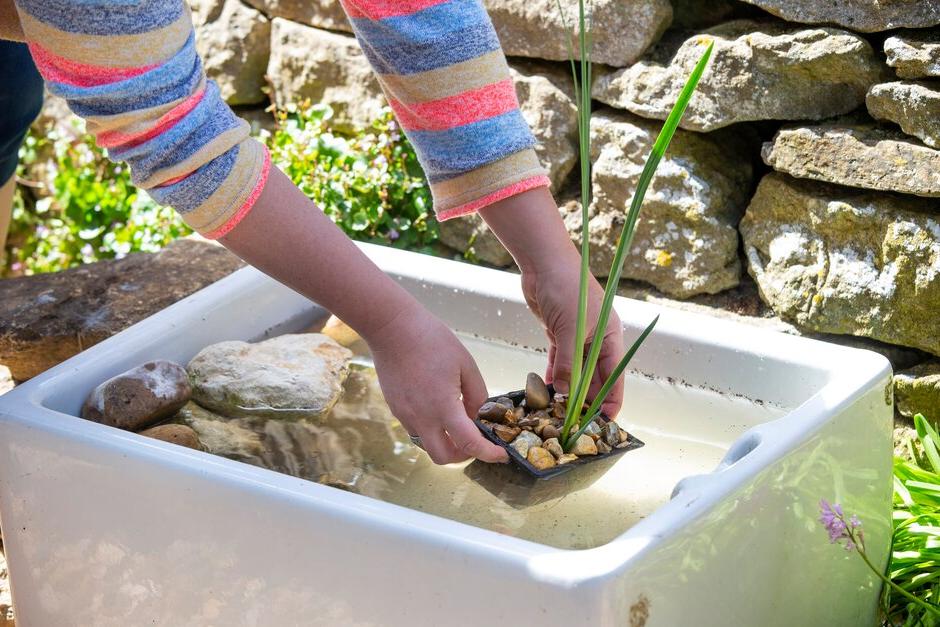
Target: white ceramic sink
103	527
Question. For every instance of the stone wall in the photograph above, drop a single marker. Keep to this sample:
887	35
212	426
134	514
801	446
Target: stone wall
804	186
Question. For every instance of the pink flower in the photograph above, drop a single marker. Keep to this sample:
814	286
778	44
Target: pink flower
833	519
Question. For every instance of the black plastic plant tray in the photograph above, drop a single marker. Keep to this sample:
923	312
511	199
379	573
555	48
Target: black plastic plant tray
519	461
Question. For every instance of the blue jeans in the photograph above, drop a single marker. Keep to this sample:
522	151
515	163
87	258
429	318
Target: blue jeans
20	102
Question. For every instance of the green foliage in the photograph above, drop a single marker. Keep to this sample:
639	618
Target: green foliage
91	210
915	551
369	183
583	369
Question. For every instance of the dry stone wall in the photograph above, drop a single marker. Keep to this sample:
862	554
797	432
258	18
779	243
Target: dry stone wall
807	172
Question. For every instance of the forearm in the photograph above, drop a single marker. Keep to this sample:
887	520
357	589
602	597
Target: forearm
531	228
289	238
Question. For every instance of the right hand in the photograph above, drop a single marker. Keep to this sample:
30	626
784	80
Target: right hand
433	386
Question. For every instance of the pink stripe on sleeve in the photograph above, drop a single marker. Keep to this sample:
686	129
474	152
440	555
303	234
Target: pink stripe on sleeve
464	108
500	194
379	9
61	70
112	139
247	205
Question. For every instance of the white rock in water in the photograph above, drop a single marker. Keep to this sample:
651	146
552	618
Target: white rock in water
289	377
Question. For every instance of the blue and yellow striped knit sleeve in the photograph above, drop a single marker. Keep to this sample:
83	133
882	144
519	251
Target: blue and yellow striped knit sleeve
131	70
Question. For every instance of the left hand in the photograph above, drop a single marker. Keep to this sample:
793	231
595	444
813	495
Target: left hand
531	228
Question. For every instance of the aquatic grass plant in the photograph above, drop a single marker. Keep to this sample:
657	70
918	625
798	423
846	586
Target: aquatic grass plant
911	593
583	368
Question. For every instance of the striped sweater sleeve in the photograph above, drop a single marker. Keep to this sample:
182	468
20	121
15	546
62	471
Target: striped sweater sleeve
444	74
131	70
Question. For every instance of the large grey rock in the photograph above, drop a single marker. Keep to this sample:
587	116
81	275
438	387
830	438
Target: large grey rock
622	29
917	390
866	16
223	436
470	235
915	107
914	54
308	63
686	241
546	103
47	318
758	71
234	42
286	377
327	14
860	155
838	260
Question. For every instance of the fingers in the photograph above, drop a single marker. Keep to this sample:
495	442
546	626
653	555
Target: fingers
439	446
468	441
611	353
560	360
472	387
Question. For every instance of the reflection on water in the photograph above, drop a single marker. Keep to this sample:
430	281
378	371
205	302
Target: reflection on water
360	447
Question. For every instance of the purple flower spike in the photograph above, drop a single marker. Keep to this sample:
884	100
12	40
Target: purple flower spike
832	518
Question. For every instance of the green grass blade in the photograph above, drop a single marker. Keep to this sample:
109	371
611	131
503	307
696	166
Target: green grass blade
612	378
574	438
626	236
930	439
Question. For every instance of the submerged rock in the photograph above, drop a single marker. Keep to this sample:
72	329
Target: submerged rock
139	397
223	436
837	260
758	71
860	155
915	107
917	390
174	434
287	377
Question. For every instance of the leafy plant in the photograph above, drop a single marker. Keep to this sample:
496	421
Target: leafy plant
911	593
91	210
582	370
915	551
369	183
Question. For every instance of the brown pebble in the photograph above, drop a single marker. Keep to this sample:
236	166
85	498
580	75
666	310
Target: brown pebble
491	411
536	392
567	458
553	446
540	458
518	413
506	433
505	401
174	434
602	447
584	446
623	435
550	431
140	397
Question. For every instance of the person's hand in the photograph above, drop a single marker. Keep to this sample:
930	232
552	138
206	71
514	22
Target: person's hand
552	294
432	386
530	227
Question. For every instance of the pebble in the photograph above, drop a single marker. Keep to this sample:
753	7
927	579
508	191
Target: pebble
174	434
505	401
602	447
540	458
567	458
536	392
506	433
524	441
611	432
550	431
553	446
593	429
584	446
493	411
342	333
139	397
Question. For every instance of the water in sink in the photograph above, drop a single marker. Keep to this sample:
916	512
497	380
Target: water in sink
360	447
